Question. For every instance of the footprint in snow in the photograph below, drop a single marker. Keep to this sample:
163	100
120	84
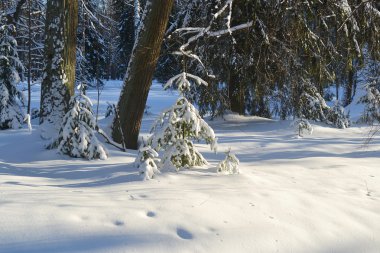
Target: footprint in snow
118	223
151	214
184	234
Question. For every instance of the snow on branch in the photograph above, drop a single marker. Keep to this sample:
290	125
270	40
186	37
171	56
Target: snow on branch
206	31
182	82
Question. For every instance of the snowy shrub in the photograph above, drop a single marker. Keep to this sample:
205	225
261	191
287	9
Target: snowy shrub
312	106
230	164
178	126
11	115
302	127
174	131
337	116
182	154
372	105
77	134
146	162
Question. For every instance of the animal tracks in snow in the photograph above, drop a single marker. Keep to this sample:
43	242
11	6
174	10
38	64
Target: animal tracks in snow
184	234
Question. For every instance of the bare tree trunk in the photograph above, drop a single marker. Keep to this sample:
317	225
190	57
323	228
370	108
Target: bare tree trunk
60	59
140	72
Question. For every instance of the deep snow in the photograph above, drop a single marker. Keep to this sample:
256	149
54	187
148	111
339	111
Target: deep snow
316	194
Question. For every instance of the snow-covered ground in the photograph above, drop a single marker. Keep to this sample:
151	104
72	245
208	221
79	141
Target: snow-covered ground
316	194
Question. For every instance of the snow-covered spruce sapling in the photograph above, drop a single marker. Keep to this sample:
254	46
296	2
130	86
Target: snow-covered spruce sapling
312	106
230	164
177	128
146	162
372	104
337	116
11	115
302	126
77	134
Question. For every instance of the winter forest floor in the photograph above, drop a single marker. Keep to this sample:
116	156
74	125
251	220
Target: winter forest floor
316	194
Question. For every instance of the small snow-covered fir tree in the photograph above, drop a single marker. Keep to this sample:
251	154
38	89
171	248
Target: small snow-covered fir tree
372	105
11	115
177	127
230	164
146	162
312	106
338	117
302	127
77	134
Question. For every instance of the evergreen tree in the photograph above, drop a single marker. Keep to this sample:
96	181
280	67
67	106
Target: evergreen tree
11	115
230	164
302	127
77	134
146	162
177	128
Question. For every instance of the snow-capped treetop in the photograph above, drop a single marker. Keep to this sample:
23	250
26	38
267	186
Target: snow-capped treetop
182	83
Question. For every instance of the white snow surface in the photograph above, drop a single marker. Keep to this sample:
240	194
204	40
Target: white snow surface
317	194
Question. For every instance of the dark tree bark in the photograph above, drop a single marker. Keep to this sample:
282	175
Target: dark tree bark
236	94
140	72
60	59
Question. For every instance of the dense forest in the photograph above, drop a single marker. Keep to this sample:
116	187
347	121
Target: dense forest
275	59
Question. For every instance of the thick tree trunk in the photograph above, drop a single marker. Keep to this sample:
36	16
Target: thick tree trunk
140	72
60	59
236	94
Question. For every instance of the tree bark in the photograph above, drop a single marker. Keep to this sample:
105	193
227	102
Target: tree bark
60	58
236	93
140	72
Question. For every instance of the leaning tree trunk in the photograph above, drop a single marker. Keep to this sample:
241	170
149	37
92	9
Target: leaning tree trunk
140	72
60	59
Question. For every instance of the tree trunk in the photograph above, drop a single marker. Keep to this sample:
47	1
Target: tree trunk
140	72
60	58
349	87
236	93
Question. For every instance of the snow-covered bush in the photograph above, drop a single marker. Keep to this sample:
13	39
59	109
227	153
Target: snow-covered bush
11	115
337	116
182	154
312	106
177	128
230	164
146	162
372	105
77	134
174	132
302	127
